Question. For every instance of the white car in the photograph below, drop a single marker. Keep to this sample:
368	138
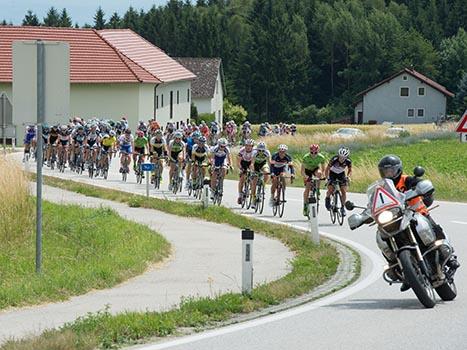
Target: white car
394	132
348	133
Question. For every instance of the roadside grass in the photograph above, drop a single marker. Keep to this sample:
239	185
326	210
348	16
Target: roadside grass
312	266
440	153
83	249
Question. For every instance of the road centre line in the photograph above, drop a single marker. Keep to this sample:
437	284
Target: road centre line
459	222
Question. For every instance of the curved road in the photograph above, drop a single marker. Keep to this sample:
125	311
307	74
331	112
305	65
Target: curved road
367	315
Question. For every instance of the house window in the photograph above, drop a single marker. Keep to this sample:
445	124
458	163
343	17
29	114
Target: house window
410	113
188	95
217	87
157	102
404	77
171	105
162	101
421	91
420	113
178	96
404	92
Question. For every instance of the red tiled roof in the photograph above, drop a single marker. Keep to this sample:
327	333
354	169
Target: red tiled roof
416	75
96	59
146	55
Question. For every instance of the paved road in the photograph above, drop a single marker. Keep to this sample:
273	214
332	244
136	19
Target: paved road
368	315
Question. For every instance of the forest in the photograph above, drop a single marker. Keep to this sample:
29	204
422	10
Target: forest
303	60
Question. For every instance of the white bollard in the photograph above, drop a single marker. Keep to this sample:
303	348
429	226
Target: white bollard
314	232
247	260
148	175
205	194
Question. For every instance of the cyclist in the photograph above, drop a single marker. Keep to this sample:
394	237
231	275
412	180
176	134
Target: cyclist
157	149
108	142
261	160
204	129
199	156
279	163
220	158
29	139
335	171
64	140
140	144
176	151
126	144
246	131
142	127
214	131
244	159
190	142
91	144
51	141
293	129
312	165
77	140
169	132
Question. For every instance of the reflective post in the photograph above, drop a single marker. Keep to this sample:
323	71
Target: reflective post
313	223
247	260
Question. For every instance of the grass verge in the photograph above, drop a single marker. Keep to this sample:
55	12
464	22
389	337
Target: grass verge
312	266
83	249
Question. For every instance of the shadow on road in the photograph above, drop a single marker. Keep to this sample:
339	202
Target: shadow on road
379	304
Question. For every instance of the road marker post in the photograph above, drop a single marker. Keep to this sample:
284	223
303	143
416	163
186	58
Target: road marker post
247	260
313	222
205	193
148	168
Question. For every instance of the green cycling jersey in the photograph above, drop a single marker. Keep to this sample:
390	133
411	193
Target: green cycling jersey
311	163
140	142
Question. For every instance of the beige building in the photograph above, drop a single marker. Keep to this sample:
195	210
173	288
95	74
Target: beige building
113	73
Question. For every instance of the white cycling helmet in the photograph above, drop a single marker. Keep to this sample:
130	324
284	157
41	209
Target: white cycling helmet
249	142
178	135
261	146
282	147
343	152
222	142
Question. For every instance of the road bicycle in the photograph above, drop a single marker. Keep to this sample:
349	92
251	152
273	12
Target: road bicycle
245	197
336	205
279	197
79	161
198	180
158	167
138	168
219	185
125	165
313	195
62	158
260	192
177	177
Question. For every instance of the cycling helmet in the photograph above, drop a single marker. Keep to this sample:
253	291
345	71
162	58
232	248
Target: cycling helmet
249	142
222	142
343	152
390	167
158	132
106	136
314	148
128	131
139	133
202	139
64	128
178	135
282	147
80	128
196	135
261	146
112	133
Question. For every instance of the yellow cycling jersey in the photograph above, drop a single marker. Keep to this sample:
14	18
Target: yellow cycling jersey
109	141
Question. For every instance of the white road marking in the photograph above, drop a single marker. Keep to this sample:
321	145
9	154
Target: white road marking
375	274
459	222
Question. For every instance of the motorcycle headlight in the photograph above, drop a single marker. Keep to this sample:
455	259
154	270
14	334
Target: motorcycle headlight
385	217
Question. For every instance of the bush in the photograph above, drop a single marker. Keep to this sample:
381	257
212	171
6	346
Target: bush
234	112
193	112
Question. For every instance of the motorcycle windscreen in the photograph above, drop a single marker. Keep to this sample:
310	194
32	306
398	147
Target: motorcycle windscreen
383	195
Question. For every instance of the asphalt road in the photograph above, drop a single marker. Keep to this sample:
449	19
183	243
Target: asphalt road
370	314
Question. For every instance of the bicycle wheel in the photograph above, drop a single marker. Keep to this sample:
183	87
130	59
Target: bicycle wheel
282	201
262	196
245	193
332	211
339	206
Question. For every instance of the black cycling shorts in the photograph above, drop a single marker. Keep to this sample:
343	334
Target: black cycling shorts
337	177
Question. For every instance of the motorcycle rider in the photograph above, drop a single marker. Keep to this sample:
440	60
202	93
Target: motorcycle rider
390	167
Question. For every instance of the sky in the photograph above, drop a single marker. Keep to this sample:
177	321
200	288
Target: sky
81	11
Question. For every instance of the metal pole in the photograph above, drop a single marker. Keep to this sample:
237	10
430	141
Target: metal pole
40	121
148	175
247	260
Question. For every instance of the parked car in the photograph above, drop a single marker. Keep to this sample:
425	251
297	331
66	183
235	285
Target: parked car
394	132
348	133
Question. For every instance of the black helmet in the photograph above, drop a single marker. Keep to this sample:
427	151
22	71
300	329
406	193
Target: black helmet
390	167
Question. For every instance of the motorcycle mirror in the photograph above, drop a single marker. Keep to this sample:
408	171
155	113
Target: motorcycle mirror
349	205
419	171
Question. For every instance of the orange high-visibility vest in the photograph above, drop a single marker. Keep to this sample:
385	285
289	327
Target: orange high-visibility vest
416	203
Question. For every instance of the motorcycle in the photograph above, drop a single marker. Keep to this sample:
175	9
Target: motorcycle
407	238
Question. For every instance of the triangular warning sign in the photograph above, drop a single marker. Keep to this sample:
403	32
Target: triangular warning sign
462	126
383	200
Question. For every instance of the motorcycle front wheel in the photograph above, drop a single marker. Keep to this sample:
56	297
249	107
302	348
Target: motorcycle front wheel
417	280
447	291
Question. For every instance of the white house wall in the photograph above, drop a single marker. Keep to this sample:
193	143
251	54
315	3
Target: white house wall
217	102
203	105
181	110
384	103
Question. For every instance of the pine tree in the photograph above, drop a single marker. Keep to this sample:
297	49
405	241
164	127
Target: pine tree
114	21
131	19
30	19
99	20
52	19
65	20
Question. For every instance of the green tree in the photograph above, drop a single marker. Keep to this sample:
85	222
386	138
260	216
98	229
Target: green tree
114	21
52	18
460	100
131	19
234	112
99	20
65	20
453	62
30	19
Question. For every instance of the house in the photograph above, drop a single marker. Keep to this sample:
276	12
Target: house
404	98
113	73
208	86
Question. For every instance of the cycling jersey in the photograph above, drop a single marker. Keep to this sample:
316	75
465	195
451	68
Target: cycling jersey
199	152
176	146
261	156
157	145
190	142
125	143
279	166
244	155
311	162
79	138
29	136
337	167
140	142
220	155
108	141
